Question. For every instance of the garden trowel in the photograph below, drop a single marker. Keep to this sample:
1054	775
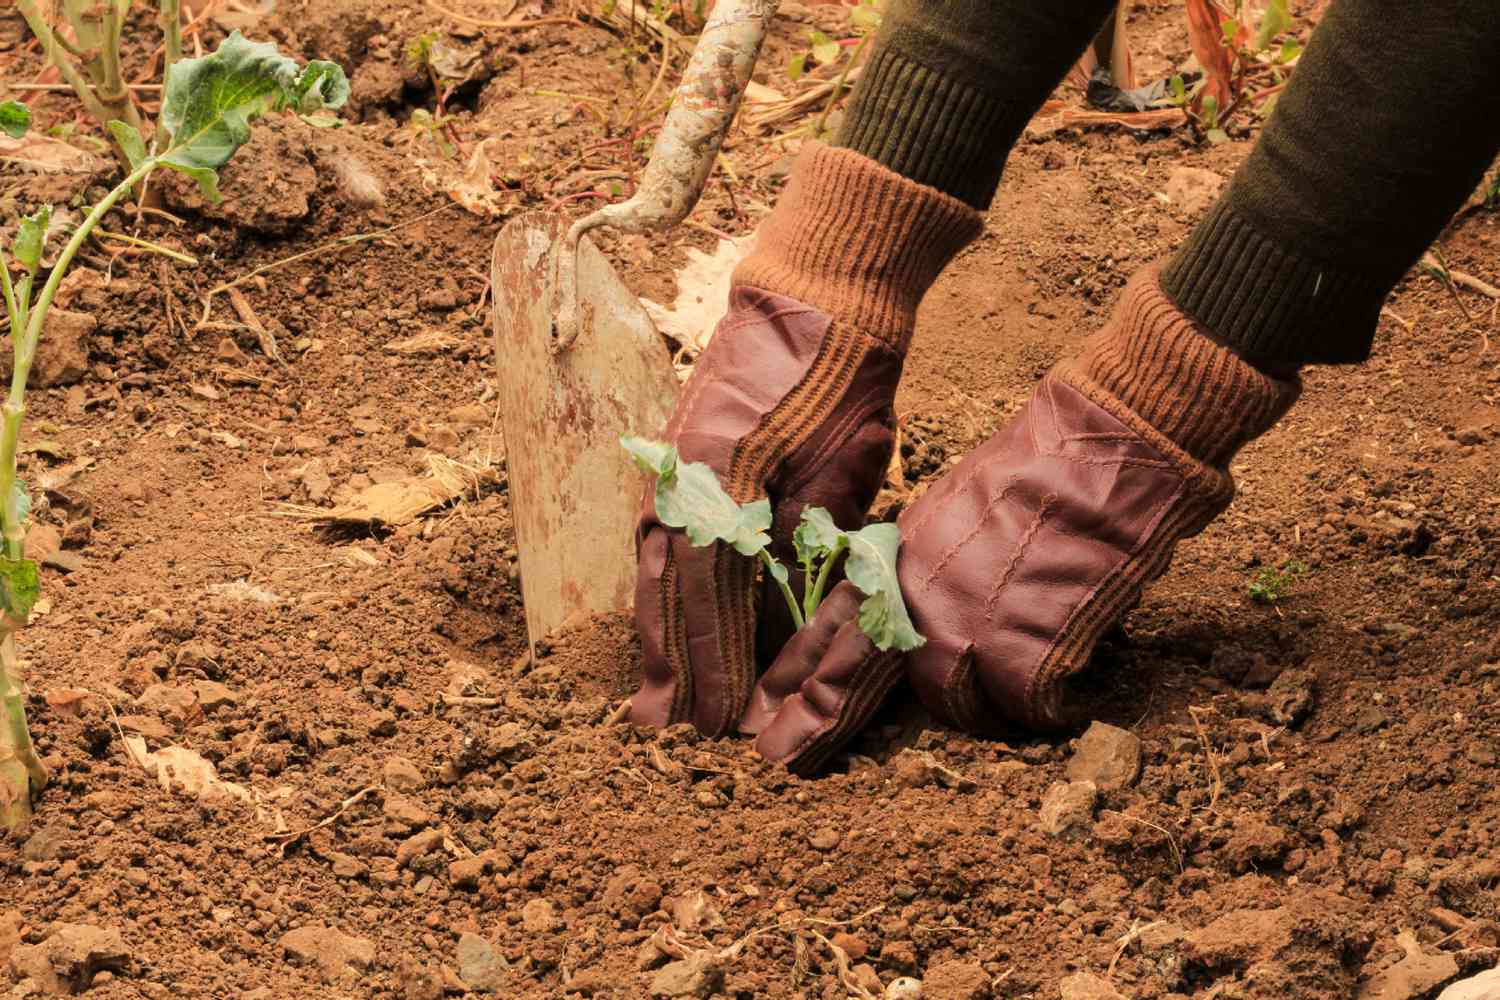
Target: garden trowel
580	362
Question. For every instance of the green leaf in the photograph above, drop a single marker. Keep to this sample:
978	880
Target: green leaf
323	120
654	457
872	568
321	86
865	17
31	237
824	49
1290	50
1273	22
19	588
816	536
777	570
23	499
207	177
688	496
210	101
1179	90
15	118
796	67
130	140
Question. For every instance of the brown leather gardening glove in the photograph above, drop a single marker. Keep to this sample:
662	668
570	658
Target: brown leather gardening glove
1016	562
791	400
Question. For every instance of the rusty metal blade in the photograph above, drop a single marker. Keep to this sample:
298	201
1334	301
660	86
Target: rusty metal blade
574	492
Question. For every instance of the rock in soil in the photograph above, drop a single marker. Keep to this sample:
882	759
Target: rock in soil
338	956
1067	804
1485	986
698	975
1413	976
480	965
401	775
62	357
905	988
1108	756
1087	986
70	958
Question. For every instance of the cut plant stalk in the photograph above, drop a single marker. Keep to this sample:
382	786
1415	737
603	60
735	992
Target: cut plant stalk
207	108
100	84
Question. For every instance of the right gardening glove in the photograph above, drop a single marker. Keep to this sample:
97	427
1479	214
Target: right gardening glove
1016	562
792	400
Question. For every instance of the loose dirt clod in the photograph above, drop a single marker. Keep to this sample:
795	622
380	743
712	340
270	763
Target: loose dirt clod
71	956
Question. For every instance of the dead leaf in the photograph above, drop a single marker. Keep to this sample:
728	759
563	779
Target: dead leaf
458	65
404	500
1205	32
356	556
65	701
474	189
56	479
431	342
42	154
178	769
702	294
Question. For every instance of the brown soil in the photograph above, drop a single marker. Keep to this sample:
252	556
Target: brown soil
1317	773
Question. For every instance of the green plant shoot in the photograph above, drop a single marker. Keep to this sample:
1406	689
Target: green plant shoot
1270	585
688	496
207	108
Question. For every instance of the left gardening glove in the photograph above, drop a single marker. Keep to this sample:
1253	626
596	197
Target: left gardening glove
1017	561
791	400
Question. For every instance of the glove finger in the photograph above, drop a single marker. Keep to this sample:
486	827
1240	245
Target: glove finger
800	657
944	673
717	600
666	688
836	699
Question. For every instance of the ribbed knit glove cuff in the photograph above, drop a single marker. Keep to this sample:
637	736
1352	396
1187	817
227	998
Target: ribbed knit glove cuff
858	242
1168	371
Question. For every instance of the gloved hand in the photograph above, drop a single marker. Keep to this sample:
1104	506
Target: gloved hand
1017	561
792	399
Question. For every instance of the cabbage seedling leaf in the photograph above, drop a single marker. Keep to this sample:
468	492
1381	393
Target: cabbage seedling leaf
688	496
31	237
816	536
872	568
209	101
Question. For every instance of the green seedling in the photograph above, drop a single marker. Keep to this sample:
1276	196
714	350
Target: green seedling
1272	584
207	107
688	496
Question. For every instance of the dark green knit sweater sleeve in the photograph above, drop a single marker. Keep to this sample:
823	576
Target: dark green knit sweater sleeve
1387	125
952	83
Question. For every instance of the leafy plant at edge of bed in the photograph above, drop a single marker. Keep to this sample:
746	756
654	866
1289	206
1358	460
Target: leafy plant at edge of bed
207	108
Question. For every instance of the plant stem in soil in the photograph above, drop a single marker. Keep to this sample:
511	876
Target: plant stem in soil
21	772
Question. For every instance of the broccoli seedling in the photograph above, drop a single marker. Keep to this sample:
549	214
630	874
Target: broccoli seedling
207	108
688	496
1271	584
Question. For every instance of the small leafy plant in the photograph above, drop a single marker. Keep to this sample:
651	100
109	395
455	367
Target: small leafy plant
1272	584
688	496
1235	54
207	108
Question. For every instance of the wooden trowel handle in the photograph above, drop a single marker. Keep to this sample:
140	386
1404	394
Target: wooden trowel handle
689	142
